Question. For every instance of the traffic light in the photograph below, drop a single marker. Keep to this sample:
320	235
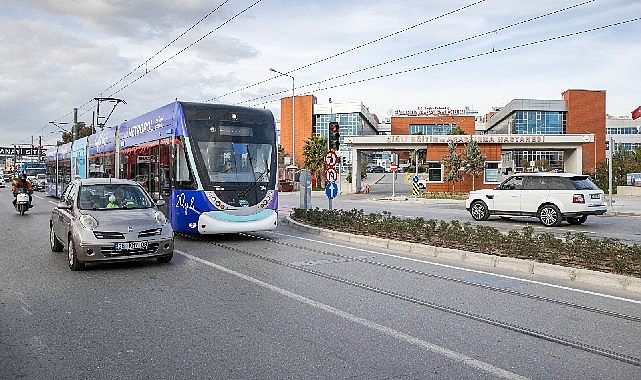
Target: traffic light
334	136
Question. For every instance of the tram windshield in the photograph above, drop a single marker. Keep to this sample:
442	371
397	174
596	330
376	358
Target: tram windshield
236	162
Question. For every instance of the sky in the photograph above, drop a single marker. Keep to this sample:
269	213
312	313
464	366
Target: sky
388	55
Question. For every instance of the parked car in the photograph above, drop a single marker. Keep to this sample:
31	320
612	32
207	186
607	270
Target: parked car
550	197
378	169
105	219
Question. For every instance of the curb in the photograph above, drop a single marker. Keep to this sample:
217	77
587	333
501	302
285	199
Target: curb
580	276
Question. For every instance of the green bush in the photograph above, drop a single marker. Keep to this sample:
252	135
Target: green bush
575	249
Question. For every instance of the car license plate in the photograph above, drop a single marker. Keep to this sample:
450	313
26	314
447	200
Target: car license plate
595	196
128	246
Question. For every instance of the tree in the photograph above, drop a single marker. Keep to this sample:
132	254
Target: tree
314	151
457	131
623	162
83	131
474	160
453	163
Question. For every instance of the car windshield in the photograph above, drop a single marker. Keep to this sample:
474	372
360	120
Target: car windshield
112	196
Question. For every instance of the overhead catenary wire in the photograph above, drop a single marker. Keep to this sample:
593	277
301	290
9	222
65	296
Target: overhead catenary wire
145	62
493	51
353	48
187	47
424	51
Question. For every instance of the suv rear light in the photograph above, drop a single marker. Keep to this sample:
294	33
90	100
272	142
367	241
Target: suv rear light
578	198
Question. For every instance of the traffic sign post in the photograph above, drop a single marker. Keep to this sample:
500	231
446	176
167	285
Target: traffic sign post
393	167
331	175
331	190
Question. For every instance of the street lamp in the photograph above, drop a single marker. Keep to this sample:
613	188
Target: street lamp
293	140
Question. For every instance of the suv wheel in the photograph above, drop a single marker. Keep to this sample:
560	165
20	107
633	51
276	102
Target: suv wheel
479	210
579	220
550	216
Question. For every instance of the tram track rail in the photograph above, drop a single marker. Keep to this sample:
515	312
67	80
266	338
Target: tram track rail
629	359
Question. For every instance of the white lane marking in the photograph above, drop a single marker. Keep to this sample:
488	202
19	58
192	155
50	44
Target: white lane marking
465	269
466	360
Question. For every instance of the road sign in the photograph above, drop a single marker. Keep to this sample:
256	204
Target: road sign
415	179
331	190
331	159
392	166
331	174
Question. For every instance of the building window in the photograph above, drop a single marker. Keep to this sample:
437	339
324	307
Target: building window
491	174
434	172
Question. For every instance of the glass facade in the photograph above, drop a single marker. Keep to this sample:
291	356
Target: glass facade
539	123
534	123
431	129
622	131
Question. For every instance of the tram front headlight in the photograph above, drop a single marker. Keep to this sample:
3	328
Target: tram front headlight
161	219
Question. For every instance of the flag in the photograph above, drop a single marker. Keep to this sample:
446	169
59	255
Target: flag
636	113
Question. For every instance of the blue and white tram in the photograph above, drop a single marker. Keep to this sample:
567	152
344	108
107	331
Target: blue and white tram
214	165
58	169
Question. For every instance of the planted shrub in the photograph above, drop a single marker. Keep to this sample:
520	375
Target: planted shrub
575	249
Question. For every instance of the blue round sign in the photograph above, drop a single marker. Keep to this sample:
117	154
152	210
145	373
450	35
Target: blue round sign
415	179
331	190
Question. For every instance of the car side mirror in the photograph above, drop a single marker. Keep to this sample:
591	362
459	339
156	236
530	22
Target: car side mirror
63	206
160	202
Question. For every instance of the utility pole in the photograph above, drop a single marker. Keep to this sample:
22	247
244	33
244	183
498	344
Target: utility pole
75	124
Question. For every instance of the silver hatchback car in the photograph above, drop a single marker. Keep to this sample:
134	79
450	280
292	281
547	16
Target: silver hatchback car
106	219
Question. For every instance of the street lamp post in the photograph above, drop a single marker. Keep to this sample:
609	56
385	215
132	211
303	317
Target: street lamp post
293	129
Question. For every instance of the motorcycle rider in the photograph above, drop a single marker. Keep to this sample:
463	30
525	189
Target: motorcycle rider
22	183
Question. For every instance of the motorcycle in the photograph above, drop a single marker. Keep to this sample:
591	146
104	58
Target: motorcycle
22	201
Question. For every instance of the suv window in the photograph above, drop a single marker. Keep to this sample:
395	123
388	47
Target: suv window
559	183
534	183
583	183
513	183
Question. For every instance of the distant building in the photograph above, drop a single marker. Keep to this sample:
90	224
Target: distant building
313	119
567	134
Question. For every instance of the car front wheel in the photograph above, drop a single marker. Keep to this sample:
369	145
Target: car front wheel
550	216
74	264
56	246
479	211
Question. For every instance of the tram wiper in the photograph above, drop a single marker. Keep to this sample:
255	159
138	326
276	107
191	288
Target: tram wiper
253	184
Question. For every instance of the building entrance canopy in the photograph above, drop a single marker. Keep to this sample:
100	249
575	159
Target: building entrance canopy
570	144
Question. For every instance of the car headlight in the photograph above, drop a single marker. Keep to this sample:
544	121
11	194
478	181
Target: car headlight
88	222
160	218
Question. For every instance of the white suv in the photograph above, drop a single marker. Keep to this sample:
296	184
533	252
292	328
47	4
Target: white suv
551	197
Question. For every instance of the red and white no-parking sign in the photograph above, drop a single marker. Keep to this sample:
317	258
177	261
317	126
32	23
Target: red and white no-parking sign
392	166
